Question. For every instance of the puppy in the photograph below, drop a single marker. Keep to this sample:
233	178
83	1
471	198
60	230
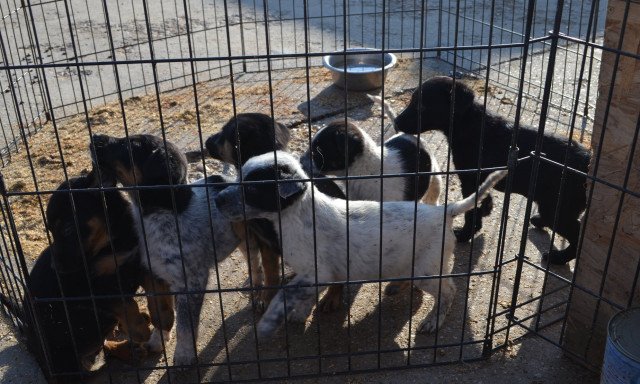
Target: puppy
258	134
181	233
322	254
333	153
362	156
430	109
245	136
106	245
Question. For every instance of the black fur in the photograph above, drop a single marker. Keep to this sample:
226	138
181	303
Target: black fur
155	166
328	150
218	182
265	195
257	134
85	330
410	152
434	113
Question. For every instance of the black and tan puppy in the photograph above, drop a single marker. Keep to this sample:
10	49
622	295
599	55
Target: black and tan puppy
92	253
258	134
430	109
184	234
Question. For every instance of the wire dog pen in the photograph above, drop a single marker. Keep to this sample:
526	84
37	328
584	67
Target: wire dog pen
182	69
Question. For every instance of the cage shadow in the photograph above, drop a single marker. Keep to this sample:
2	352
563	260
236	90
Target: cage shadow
332	102
299	349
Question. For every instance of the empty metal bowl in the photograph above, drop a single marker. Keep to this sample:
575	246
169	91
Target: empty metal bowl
364	68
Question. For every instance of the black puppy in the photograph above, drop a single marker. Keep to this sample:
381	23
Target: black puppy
108	246
430	109
259	134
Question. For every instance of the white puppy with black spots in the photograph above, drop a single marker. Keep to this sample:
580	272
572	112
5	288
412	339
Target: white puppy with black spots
306	246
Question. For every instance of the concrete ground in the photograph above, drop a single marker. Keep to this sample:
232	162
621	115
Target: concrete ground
529	361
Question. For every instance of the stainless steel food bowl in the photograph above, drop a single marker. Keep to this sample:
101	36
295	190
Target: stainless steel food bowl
364	68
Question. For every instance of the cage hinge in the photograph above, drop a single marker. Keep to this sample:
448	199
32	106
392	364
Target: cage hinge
513	158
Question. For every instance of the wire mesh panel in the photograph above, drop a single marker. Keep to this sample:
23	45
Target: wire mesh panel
131	227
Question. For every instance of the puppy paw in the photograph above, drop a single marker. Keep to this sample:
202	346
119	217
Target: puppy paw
297	316
395	287
556	257
330	302
184	355
140	352
259	303
259	306
536	221
266	329
428	325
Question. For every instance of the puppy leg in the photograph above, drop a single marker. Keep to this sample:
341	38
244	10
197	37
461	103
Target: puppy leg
332	299
249	248
126	351
536	221
395	287
188	308
470	227
300	298
570	231
161	311
136	325
432	196
270	265
435	319
133	322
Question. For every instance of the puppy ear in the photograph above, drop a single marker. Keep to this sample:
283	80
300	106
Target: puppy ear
282	136
155	169
340	142
289	189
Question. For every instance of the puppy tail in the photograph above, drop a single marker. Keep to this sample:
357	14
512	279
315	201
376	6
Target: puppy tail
468	203
388	111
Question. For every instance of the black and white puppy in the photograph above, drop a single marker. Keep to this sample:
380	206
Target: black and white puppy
358	155
321	253
430	109
258	134
178	223
402	153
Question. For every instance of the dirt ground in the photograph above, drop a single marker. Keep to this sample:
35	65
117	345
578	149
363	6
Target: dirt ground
370	331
